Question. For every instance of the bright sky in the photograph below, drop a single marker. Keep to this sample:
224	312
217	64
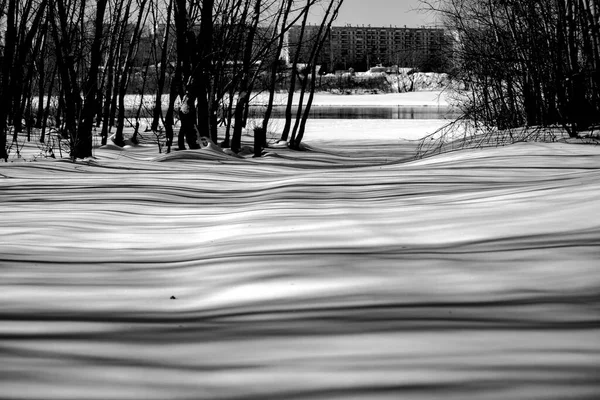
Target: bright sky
383	13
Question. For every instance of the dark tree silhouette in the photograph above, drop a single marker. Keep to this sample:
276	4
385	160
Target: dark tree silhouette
531	63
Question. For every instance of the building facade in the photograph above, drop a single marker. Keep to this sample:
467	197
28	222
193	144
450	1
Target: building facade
362	47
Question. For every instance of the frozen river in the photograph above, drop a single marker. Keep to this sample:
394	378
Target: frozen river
361	112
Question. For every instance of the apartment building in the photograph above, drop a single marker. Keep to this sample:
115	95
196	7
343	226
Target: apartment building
362	47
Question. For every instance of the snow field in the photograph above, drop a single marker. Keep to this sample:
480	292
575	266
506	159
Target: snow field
347	271
310	275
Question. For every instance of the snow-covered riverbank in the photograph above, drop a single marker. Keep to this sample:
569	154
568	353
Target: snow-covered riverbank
345	271
319	274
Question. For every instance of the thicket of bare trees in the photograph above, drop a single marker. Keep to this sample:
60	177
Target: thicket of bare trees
527	63
70	64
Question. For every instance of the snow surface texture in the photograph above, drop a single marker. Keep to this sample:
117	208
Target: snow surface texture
470	275
335	273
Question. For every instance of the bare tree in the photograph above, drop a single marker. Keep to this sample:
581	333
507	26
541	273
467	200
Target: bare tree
78	57
245	81
186	49
284	15
531	63
84	143
294	74
64	19
22	43
322	33
7	57
110	78
161	62
132	49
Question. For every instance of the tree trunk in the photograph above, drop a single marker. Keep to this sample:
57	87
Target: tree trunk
290	100
127	65
47	109
245	86
170	114
203	70
182	71
41	86
84	143
322	35
21	84
66	65
275	68
157	112
5	98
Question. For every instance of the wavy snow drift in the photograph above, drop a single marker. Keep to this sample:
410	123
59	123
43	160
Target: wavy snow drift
312	275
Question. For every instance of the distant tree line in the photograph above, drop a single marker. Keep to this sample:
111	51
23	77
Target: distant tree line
433	59
71	63
526	63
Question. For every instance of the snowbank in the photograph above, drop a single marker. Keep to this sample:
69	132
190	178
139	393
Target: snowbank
310	275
